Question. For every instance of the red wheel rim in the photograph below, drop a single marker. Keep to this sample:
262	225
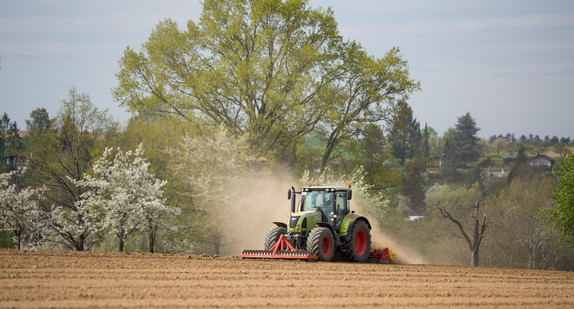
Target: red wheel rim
361	242
326	245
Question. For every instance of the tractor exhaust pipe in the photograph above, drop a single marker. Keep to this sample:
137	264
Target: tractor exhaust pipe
291	196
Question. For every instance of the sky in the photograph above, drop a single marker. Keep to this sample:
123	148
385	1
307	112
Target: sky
510	63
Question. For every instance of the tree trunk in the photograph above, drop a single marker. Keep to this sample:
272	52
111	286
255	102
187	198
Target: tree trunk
474	258
121	249
151	242
80	243
19	241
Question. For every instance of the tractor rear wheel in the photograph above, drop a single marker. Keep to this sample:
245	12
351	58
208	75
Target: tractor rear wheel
320	242
272	236
358	247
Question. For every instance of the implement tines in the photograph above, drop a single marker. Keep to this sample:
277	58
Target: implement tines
281	250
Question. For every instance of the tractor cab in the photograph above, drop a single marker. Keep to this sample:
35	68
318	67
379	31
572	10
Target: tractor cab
332	202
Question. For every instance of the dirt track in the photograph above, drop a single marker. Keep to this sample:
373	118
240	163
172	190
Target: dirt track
36	279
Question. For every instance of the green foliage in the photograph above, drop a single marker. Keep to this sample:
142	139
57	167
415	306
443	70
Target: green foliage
274	70
522	239
449	159
10	142
413	182
563	217
40	120
466	139
425	147
80	131
6	240
377	163
455	198
520	166
460	147
405	136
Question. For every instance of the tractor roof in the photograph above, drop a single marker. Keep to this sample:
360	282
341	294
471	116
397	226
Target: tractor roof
324	188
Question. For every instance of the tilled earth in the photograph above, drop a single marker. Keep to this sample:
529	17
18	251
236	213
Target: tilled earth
41	279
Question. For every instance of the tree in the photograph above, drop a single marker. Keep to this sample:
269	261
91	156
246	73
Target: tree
450	204
522	238
367	90
425	148
405	136
478	229
63	155
520	166
10	140
499	145
466	140
449	158
275	70
40	120
4	127
563	217
375	160
124	196
20	213
413	182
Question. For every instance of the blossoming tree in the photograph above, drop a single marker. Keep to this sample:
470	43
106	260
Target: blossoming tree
125	196
20	212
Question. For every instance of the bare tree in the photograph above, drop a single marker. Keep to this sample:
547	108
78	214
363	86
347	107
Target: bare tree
478	229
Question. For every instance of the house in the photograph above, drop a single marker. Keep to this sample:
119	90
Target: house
13	160
508	160
542	162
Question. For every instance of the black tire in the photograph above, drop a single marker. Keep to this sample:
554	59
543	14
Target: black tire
272	236
321	243
358	247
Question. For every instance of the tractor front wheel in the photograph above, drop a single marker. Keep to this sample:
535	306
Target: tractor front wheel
320	242
272	236
358	246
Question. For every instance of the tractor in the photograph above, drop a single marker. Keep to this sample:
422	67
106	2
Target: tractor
321	223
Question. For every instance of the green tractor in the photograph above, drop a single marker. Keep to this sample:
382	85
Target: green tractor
320	224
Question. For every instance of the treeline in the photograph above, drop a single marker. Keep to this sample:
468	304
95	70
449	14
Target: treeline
531	139
222	111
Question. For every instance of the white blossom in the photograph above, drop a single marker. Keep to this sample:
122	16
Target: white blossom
20	212
122	196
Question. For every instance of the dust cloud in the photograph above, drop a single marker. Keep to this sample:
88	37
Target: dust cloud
262	200
405	254
380	239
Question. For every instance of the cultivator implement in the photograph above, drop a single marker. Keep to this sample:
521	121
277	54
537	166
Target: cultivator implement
385	256
281	250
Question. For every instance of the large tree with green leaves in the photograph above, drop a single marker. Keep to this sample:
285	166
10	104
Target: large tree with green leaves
563	216
40	120
60	157
273	69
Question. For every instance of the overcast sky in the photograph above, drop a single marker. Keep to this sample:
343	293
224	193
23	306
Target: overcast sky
509	63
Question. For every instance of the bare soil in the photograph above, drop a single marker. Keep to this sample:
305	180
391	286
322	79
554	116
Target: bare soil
45	279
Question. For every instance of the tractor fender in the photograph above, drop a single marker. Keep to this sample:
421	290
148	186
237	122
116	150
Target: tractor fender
347	223
281	224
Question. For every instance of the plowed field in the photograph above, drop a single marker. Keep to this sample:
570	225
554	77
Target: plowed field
39	279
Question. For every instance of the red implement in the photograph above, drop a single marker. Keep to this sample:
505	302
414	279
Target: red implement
281	250
384	256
